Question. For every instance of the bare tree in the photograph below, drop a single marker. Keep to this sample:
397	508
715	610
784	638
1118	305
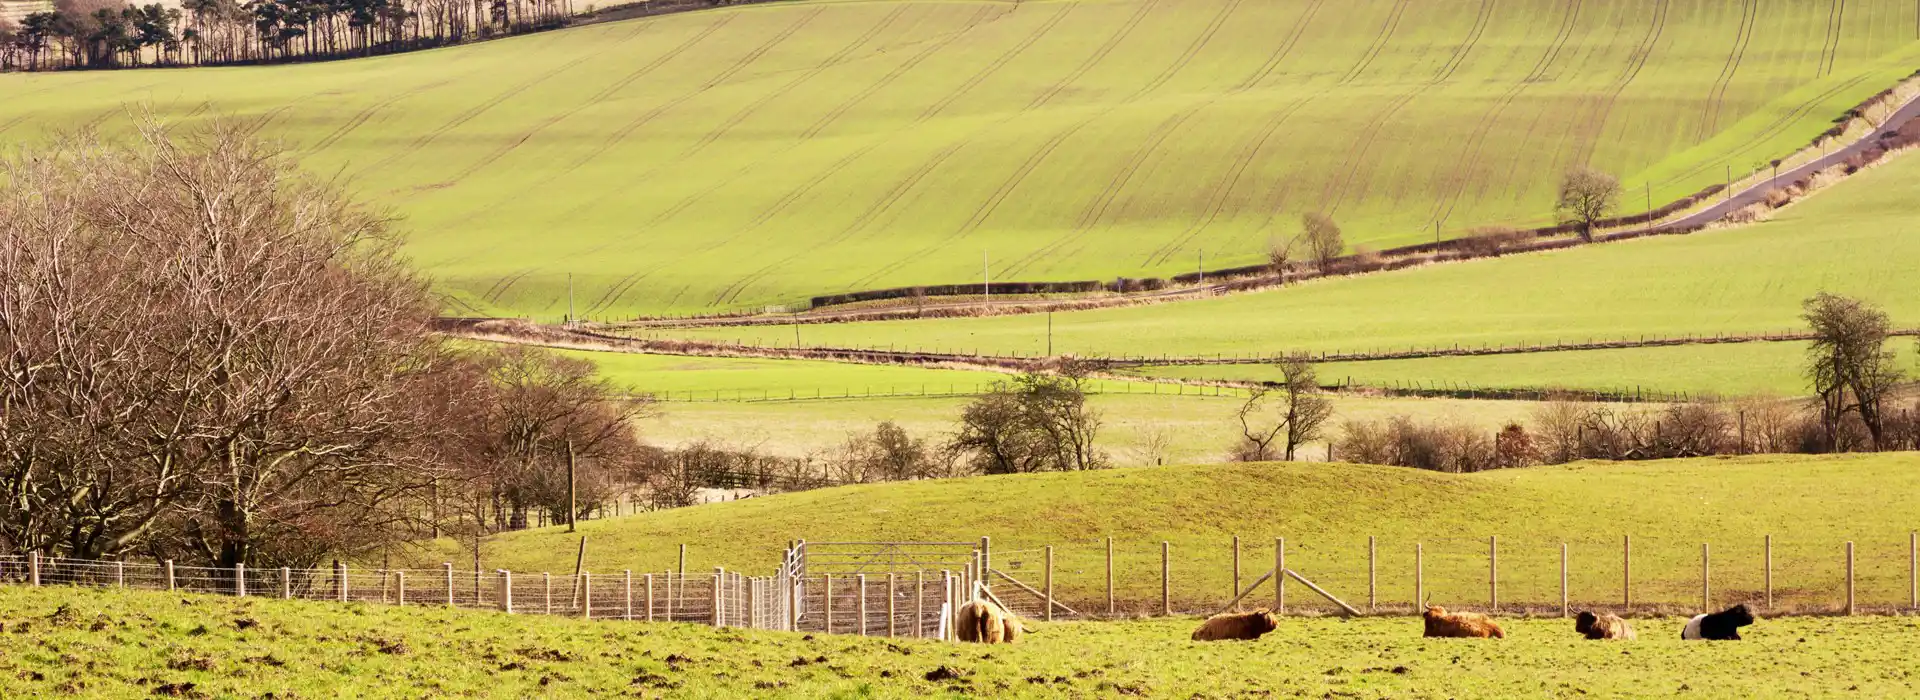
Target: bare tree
540	410
1849	365
1037	422
1302	414
1280	256
1586	196
207	355
1324	241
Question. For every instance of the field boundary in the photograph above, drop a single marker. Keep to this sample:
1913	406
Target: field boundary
528	333
908	589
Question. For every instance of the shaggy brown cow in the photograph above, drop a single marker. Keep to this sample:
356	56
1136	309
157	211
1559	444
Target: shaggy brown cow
1236	626
980	620
1441	623
1602	626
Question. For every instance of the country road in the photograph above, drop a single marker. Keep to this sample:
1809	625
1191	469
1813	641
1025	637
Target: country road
1758	192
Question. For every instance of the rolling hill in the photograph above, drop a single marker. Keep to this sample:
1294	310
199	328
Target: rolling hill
757	154
1811	505
1854	238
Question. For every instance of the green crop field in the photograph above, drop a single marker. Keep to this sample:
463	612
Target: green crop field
119	644
1730	370
1194	428
1811	505
1855	238
754	155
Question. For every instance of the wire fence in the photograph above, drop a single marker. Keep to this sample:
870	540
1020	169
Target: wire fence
1104	579
1526	575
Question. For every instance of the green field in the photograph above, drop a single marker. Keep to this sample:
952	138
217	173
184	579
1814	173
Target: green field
1196	429
755	155
1856	238
1811	505
137	644
1731	370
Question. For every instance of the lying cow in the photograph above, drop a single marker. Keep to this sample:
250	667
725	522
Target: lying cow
1441	623
1724	625
1236	626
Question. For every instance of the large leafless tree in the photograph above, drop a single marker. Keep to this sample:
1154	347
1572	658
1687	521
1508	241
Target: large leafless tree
207	353
1852	371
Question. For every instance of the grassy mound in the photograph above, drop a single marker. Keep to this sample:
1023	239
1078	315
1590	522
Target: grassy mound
111	644
760	154
1811	506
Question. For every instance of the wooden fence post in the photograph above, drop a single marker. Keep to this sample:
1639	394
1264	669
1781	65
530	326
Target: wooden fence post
945	630
239	580
33	568
1166	578
119	574
1913	570
1419	576
286	583
1626	573
546	593
1234	592
446	567
1564	602
1047	577
340	582
861	581
719	572
626	579
1373	578
1493	573
1849	577
1769	573
400	588
506	590
919	603
649	578
1279	575
1110	576
168	565
586	595
826	608
1706	578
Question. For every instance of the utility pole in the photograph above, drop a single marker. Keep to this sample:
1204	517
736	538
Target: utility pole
1203	266
1049	332
1775	183
572	488
986	276
1729	185
1436	231
569	300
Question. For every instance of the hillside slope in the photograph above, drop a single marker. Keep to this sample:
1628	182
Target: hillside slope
1327	512
761	153
1854	238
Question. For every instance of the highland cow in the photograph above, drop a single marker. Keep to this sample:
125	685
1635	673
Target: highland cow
1602	626
1441	623
980	620
1236	626
1723	625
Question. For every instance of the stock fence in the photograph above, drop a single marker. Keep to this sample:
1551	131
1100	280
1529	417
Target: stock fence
1102	579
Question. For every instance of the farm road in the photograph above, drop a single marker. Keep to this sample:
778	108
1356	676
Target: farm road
1758	192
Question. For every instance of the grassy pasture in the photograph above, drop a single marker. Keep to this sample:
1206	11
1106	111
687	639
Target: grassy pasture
1197	428
134	643
1811	505
1855	238
754	155
1744	369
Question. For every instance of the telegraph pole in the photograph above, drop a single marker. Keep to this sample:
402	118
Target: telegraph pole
569	300
986	276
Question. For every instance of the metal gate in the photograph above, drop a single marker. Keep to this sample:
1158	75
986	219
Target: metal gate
900	589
